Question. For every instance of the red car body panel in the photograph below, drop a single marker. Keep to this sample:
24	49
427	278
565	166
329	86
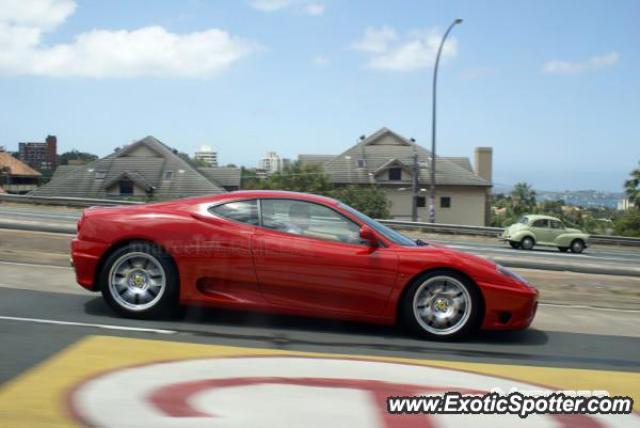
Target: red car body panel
222	263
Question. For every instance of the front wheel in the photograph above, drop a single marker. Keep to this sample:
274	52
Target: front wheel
577	246
442	304
514	245
527	243
140	281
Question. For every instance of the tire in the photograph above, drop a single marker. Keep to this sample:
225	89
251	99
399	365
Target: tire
442	321
515	245
527	243
577	246
140	280
563	249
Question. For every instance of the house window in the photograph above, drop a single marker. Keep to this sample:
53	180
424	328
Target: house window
361	163
126	187
445	202
395	174
421	201
168	175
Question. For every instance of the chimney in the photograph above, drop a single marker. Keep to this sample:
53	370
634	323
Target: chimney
484	163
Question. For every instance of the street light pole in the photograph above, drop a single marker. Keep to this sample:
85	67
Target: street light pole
432	196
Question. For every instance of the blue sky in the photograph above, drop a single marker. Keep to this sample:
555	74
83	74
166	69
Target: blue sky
553	87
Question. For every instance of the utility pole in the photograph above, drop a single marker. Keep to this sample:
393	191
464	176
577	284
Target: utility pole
414	188
432	196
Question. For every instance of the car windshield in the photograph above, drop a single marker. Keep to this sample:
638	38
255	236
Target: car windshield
387	232
523	220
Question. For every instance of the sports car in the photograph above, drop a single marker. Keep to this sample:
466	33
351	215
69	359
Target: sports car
290	253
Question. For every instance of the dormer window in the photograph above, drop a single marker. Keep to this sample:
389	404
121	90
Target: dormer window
361	163
100	175
126	187
168	175
395	174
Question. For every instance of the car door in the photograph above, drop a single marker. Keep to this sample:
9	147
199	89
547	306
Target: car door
224	270
542	231
556	229
309	256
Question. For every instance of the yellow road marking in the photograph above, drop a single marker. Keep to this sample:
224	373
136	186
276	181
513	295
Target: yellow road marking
37	398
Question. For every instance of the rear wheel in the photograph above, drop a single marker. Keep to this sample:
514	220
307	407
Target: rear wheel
577	246
140	281
527	243
514	245
442	304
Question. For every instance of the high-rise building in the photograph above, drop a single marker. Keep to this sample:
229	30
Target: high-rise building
272	162
40	155
207	155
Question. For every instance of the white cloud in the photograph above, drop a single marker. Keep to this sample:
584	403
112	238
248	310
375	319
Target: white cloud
304	6
376	40
147	51
592	64
43	14
414	51
320	60
314	8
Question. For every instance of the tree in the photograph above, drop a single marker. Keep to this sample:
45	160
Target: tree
628	224
64	158
523	198
370	200
632	187
298	177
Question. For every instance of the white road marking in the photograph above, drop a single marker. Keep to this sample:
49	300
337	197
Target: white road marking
85	324
2	262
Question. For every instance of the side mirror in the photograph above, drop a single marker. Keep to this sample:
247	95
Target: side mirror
368	235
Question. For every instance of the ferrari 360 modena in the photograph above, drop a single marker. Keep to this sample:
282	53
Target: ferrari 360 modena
290	253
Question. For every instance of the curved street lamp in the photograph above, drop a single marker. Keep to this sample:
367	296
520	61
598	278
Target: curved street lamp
432	197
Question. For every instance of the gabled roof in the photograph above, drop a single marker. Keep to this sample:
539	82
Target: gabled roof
224	176
385	145
149	161
15	166
136	178
314	159
463	162
391	163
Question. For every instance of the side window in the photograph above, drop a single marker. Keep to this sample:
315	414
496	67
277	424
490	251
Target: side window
308	219
556	224
541	223
241	211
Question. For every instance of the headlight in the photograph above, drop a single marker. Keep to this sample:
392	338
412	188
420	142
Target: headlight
511	274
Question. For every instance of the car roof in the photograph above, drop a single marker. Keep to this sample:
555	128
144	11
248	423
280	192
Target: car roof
255	194
540	217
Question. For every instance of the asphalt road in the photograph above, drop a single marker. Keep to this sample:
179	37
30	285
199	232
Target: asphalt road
35	324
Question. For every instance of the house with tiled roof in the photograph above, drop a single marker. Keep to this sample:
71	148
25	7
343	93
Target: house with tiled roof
389	160
16	176
143	169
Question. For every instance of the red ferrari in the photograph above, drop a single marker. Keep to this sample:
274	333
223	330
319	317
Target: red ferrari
291	253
